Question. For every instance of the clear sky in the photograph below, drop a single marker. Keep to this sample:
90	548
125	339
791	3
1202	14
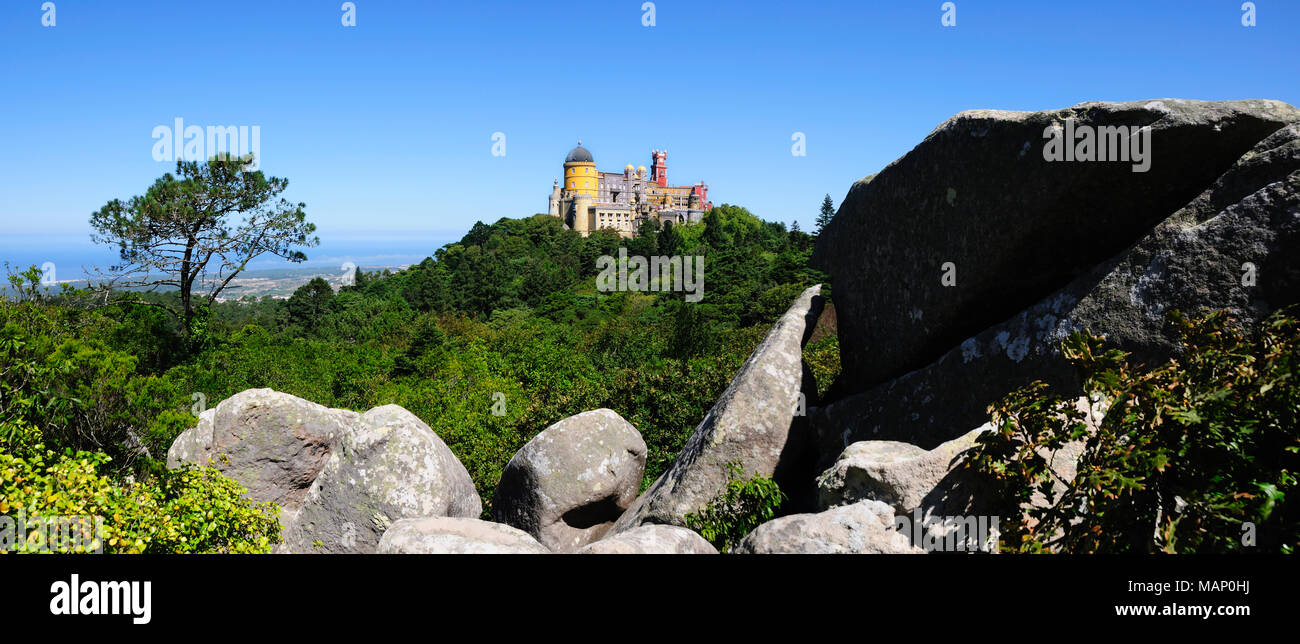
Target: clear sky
385	129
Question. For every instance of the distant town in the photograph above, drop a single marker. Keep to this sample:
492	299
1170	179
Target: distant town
278	283
281	283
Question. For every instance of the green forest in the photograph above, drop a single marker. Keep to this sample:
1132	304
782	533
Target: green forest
489	340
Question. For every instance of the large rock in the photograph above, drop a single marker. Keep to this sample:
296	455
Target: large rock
755	425
899	474
452	535
569	484
194	445
651	540
935	481
978	193
1234	246
939	502
391	466
866	527
272	443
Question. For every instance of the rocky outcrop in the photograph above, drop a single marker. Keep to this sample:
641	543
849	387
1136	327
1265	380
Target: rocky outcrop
453	535
390	466
866	527
755	425
899	474
940	501
272	443
977	201
1234	246
568	485
935	481
651	540
341	478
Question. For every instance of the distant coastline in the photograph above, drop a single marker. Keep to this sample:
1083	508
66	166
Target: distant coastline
74	254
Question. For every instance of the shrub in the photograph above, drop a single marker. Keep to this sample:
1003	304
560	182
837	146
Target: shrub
1197	455
194	510
823	358
744	505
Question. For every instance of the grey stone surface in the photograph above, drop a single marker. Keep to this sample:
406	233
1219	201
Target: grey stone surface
456	535
391	466
651	540
568	485
272	443
899	474
193	445
753	424
865	527
1193	259
978	193
932	490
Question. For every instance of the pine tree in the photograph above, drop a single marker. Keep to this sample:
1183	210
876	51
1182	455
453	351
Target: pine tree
827	213
669	240
184	232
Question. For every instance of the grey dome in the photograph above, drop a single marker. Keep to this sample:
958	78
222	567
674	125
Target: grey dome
579	155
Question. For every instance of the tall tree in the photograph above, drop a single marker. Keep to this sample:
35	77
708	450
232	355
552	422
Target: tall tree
714	236
310	303
669	240
183	234
825	215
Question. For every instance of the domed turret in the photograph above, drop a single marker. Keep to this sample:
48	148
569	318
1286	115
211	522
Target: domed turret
580	177
579	155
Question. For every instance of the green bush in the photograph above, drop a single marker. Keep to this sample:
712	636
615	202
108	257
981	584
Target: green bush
746	503
1197	455
823	358
194	510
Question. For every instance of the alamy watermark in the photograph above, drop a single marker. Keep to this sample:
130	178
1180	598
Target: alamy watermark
60	533
77	597
658	273
180	142
1121	143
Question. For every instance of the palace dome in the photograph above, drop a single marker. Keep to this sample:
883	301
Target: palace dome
579	155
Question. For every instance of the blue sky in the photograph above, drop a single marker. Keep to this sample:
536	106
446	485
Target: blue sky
385	129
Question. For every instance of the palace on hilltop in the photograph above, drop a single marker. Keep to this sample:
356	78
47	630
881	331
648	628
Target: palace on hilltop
589	199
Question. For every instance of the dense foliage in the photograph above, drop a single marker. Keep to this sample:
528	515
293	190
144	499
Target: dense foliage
53	501
489	341
1197	455
746	503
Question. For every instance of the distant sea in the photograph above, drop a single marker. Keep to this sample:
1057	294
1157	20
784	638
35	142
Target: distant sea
71	253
